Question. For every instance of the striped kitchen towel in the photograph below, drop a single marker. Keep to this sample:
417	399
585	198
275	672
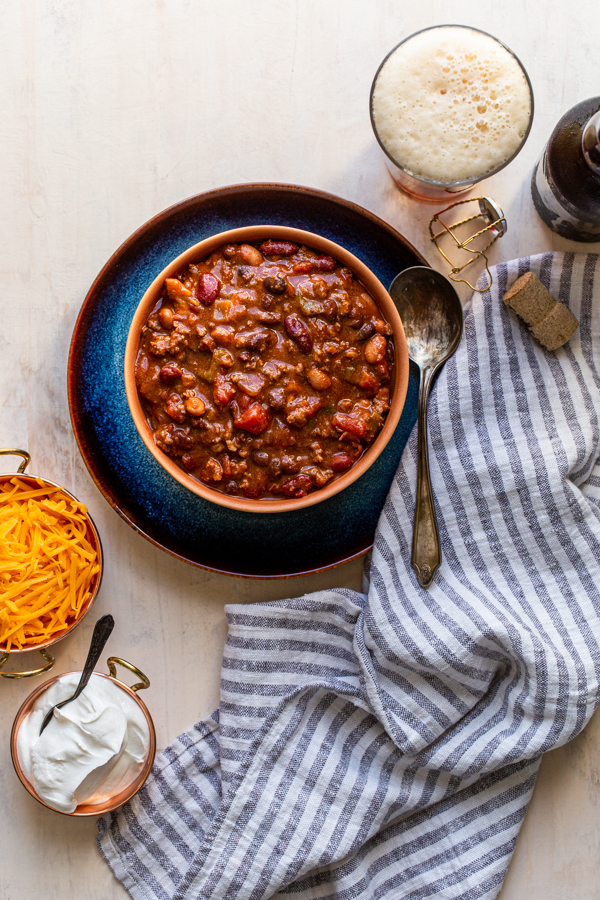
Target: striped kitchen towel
386	745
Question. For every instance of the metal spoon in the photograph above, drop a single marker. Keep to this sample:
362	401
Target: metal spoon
432	317
102	630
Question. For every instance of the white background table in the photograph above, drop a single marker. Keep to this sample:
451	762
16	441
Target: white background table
114	110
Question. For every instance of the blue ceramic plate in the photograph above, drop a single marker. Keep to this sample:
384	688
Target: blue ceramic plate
159	508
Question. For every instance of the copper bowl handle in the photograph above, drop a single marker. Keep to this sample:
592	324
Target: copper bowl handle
112	663
43	653
23	453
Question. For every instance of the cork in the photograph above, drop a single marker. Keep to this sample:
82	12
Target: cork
556	328
550	322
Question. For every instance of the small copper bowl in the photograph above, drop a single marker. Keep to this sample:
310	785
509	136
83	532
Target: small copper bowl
372	285
90	809
94	539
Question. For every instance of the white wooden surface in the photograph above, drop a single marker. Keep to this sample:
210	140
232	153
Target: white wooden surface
112	111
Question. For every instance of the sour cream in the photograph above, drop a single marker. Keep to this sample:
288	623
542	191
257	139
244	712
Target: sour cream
91	750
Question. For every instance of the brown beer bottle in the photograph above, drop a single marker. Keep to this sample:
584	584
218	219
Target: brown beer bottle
566	179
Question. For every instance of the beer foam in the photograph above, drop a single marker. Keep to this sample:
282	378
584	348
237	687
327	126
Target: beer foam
451	104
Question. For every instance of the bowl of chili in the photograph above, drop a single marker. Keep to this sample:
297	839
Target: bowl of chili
266	368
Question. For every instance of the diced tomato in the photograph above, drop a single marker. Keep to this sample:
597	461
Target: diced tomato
349	423
223	391
255	419
368	382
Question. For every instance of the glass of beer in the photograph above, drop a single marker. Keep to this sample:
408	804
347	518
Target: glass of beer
450	106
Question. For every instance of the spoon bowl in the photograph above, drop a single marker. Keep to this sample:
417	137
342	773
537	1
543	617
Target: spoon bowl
431	314
432	317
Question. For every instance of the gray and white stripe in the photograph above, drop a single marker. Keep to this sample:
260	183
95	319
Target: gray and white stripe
385	745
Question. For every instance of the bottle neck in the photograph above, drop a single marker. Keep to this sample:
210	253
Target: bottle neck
590	143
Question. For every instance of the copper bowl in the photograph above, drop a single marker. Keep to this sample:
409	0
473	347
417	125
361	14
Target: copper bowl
91	809
398	388
94	539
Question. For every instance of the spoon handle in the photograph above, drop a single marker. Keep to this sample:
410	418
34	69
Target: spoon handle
102	632
426	551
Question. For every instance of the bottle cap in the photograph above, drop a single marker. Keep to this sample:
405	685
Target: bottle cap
590	143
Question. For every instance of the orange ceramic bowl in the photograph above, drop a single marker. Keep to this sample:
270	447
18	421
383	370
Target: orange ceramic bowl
398	387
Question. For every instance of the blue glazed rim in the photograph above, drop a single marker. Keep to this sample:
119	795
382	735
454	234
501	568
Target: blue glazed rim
219	539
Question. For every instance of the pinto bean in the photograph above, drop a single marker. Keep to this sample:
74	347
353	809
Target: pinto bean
375	349
195	406
250	255
165	317
320	380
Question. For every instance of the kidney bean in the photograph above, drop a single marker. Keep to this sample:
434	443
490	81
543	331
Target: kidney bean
170	373
339	462
299	486
278	248
375	349
207	289
352	425
299	332
277	284
190	462
325	263
261	458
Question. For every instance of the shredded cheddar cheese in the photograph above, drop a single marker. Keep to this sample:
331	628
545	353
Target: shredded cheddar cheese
48	567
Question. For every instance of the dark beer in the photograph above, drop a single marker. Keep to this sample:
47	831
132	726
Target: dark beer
566	180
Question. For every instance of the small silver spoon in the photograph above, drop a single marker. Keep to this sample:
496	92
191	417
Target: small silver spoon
432	317
102	630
